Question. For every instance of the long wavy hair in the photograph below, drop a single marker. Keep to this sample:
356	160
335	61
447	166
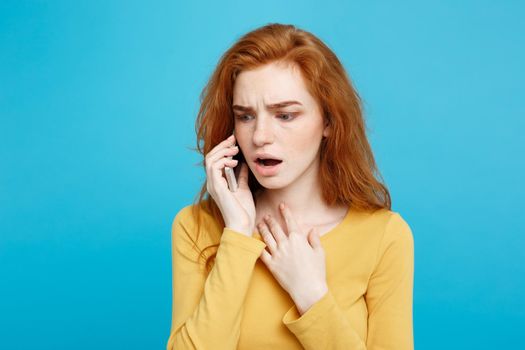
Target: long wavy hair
348	169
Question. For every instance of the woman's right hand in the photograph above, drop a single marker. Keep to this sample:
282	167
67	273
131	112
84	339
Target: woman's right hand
237	208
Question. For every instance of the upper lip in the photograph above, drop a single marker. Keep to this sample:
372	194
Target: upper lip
265	156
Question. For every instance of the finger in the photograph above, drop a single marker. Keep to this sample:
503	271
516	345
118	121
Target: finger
225	144
219	164
215	172
221	153
267	237
291	224
266	257
314	239
275	229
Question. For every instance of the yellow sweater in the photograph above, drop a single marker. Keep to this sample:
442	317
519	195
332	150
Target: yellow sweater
239	304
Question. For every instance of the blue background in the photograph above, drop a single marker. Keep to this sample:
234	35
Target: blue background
98	101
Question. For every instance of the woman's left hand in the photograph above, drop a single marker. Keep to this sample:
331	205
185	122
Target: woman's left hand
296	259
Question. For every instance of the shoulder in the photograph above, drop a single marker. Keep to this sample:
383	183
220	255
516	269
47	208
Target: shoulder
391	238
184	215
189	214
384	221
384	228
397	228
192	218
396	235
183	218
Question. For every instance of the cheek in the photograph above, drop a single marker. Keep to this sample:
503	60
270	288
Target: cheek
305	142
241	135
243	141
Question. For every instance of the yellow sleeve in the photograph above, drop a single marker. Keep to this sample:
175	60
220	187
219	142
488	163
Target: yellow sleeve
390	290
207	309
388	299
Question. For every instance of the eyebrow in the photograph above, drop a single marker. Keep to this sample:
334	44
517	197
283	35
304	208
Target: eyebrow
269	107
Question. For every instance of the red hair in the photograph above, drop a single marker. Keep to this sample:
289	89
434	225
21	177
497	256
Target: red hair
347	170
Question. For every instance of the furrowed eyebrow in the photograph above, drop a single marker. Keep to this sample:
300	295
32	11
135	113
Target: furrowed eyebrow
271	107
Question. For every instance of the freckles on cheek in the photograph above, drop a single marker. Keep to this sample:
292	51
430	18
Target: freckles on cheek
242	139
241	133
303	140
300	145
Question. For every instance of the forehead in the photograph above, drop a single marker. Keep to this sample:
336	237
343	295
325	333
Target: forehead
269	84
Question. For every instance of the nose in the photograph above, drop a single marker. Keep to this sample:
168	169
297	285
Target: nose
263	132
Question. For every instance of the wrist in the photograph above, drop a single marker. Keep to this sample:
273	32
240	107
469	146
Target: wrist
307	299
240	229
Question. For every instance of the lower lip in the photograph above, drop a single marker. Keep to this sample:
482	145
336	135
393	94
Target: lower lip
267	170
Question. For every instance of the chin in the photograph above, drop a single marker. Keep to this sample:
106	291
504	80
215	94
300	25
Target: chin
270	183
270	187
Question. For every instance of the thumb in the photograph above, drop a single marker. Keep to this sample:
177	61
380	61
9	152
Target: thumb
313	239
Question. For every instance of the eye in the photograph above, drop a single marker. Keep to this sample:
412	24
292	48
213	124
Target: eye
287	116
241	117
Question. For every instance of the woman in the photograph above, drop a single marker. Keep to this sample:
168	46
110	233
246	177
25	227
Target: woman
333	267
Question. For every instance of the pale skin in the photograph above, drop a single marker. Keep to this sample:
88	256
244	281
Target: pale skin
296	259
294	254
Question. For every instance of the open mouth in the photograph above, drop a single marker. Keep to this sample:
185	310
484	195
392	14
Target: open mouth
268	162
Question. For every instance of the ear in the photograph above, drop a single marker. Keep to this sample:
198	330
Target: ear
327	130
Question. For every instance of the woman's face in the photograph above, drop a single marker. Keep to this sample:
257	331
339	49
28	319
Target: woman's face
291	132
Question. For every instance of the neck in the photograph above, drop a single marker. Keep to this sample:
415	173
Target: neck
303	198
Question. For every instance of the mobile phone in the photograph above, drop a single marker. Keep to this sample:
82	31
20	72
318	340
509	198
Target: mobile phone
230	177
